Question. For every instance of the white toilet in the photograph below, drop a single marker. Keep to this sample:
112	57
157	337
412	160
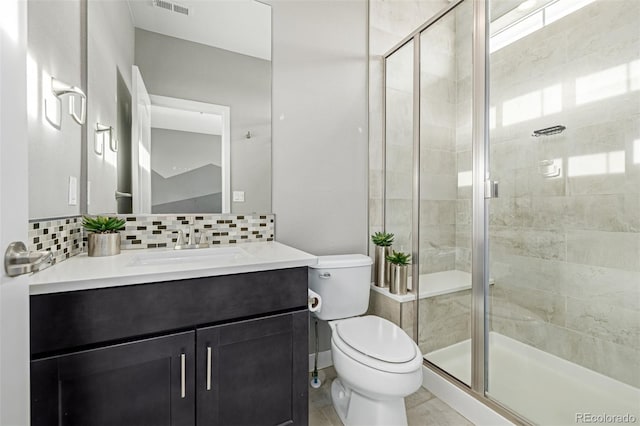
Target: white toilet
376	361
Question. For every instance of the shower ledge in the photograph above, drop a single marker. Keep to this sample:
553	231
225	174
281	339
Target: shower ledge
434	284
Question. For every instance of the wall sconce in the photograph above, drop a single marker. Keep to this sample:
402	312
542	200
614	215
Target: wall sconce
248	135
59	89
98	139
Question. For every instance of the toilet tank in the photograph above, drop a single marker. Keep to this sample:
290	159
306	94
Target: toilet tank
343	284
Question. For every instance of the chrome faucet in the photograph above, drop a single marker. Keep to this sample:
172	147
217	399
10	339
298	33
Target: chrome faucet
191	241
192	235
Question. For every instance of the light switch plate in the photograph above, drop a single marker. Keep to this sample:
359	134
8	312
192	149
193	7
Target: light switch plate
238	196
73	191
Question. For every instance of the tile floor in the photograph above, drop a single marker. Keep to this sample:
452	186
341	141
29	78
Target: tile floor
423	409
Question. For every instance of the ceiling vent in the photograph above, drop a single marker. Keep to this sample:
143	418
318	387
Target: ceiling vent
181	9
171	6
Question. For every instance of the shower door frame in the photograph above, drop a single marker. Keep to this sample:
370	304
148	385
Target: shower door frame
480	194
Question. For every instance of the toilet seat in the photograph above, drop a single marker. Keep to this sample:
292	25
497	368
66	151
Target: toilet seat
377	343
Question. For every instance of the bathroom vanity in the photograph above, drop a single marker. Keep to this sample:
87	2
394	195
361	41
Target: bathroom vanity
225	344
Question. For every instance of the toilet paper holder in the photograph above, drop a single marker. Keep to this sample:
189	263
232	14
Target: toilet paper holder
314	301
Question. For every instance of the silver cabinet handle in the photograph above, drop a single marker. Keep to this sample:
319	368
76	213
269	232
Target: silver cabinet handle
208	368
325	275
183	362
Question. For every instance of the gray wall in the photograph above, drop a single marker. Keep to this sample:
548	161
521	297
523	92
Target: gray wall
54	154
200	181
320	125
110	49
187	70
320	128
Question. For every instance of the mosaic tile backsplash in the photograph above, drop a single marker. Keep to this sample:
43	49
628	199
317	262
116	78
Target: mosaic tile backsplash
153	231
66	238
61	236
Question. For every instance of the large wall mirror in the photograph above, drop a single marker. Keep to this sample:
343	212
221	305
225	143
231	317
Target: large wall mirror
178	114
186	89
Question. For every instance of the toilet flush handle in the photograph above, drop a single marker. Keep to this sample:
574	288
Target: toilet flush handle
325	275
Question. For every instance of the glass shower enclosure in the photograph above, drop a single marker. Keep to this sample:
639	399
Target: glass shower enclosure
512	175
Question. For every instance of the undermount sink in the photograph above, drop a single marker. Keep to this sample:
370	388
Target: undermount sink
205	256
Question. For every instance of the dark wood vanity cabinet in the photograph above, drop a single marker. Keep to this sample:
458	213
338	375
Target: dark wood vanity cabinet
138	383
233	364
247	373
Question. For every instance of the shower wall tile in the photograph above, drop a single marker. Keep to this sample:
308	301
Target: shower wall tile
463	212
606	322
541	243
384	307
431	86
463	259
529	304
438	187
438	212
437	162
399	184
444	320
595	284
437	259
613	212
609	249
437	136
437	236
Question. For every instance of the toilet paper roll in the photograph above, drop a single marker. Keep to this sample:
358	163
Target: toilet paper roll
314	302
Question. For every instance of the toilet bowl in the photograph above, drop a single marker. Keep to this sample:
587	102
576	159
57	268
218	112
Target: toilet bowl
376	362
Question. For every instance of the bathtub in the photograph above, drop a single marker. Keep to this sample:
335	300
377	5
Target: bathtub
542	387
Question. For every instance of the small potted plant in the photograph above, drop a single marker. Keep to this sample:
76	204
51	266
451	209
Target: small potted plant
103	237
382	271
399	268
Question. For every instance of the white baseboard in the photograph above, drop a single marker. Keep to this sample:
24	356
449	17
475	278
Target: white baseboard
324	360
465	404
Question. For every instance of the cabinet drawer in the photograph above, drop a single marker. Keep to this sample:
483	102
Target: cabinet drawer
63	321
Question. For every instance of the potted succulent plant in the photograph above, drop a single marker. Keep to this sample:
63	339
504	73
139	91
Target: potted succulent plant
382	271
103	238
399	268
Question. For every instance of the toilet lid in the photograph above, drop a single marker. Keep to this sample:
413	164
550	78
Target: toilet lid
377	338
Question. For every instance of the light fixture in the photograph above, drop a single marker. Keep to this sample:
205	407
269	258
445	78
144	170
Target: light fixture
98	137
59	89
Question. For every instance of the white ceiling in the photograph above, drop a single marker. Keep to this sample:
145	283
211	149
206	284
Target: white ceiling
242	26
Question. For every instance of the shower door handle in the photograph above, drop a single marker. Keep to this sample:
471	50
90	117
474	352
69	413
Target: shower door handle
490	189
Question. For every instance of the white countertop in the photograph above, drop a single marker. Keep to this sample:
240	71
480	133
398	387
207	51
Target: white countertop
82	272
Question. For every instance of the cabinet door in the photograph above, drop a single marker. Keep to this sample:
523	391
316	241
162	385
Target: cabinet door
254	372
147	382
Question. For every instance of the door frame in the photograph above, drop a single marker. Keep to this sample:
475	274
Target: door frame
225	155
14	205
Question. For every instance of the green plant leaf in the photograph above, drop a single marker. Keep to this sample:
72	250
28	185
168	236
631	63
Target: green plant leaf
102	224
399	258
382	239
